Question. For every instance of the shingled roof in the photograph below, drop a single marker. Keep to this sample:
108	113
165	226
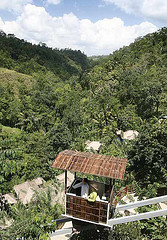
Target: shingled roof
95	164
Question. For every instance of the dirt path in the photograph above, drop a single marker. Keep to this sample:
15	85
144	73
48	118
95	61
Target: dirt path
65	236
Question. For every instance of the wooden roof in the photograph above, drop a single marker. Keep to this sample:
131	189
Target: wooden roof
95	164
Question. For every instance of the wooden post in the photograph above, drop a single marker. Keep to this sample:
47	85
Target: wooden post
110	184
65	181
111	188
110	200
112	192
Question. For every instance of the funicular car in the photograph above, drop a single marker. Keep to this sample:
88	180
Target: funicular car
79	208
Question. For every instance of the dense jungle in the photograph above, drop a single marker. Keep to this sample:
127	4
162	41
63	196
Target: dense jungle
57	99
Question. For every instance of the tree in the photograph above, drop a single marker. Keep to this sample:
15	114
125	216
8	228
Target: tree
57	139
148	154
33	221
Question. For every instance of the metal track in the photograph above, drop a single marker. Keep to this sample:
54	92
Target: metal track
142	203
137	217
140	216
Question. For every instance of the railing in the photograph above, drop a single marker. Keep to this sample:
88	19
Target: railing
140	216
142	203
81	208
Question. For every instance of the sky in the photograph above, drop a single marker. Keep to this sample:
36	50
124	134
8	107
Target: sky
96	27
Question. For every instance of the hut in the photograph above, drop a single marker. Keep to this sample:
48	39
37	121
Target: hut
78	207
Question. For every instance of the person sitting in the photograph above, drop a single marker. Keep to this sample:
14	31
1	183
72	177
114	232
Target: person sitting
84	187
92	197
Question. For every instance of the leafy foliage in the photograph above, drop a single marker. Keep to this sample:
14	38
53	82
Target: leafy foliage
66	99
27	58
128	231
155	228
33	221
150	151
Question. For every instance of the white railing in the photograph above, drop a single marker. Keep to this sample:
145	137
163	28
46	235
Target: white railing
142	203
137	217
140	216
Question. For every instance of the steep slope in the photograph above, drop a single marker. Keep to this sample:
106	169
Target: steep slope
12	79
135	77
27	58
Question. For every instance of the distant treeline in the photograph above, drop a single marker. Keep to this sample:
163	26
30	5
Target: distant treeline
25	57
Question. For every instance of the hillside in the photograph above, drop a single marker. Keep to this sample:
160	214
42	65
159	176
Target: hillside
13	79
137	74
22	56
51	100
124	91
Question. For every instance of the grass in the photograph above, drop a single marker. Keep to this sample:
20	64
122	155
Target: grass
15	80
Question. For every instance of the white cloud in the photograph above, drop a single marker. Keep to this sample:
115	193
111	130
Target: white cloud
13	5
153	9
101	37
55	2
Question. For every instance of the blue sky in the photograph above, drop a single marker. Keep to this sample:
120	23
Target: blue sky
96	27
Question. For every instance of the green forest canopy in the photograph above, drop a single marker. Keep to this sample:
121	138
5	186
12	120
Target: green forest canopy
52	99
